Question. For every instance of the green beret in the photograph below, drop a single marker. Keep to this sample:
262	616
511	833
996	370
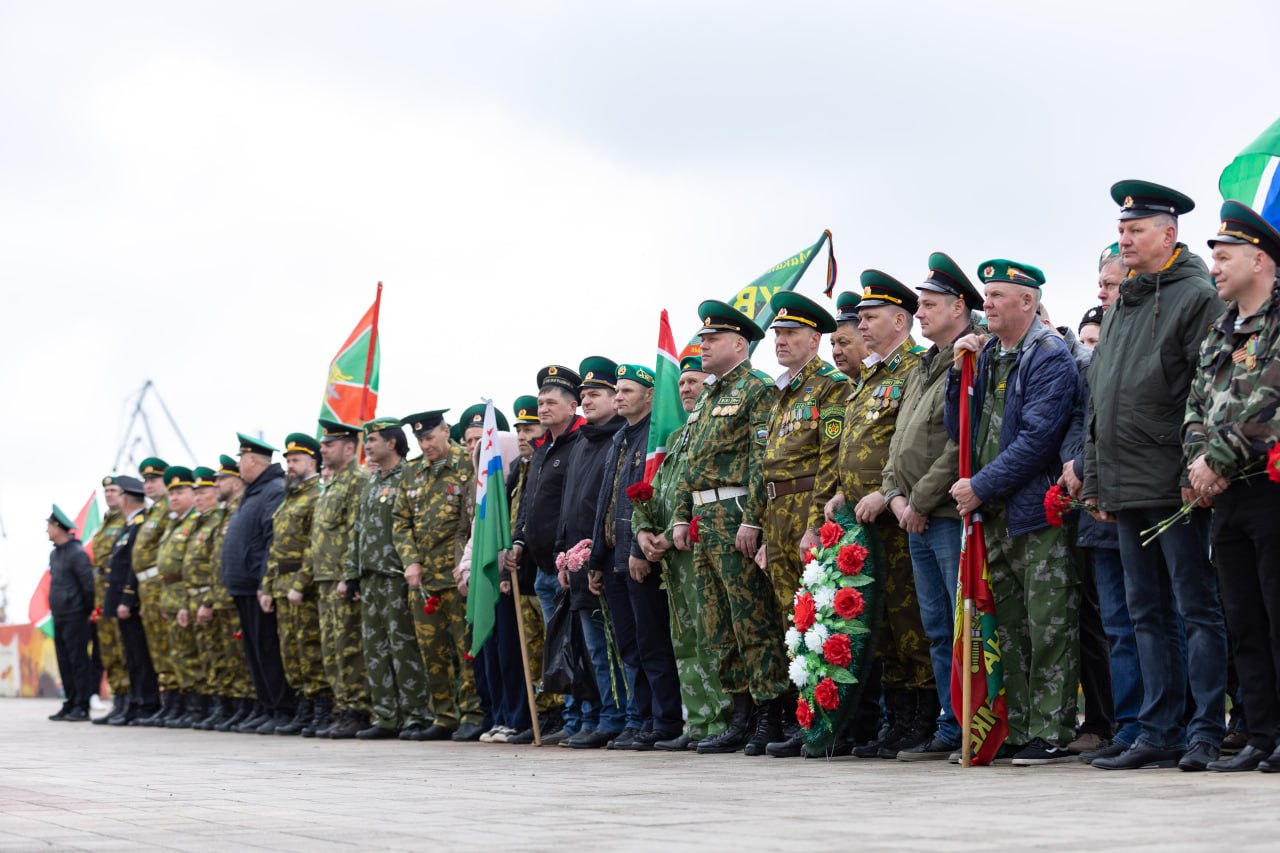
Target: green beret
456	433
300	442
847	307
1240	225
526	409
380	424
176	477
1109	254
598	372
945	276
205	477
228	466
152	467
473	416
720	316
59	518
108	480
691	363
879	288
563	377
333	430
255	445
424	422
636	373
1140	199
793	311
1012	272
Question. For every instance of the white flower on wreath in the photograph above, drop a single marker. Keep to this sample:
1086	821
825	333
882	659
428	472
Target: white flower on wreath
793	640
824	598
799	672
813	574
815	637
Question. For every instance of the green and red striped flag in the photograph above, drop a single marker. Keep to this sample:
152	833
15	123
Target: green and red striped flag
668	411
87	522
351	392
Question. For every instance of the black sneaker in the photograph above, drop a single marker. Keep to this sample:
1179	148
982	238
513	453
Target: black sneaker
1040	751
934	749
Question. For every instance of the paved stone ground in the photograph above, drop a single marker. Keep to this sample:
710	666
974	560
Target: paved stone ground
77	786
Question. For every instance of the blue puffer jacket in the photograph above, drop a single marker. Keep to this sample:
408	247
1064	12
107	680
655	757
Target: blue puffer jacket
1042	393
249	533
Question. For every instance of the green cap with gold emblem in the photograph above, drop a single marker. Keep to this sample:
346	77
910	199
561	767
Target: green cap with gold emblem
720	316
526	409
1109	254
378	424
228	466
249	444
1242	226
334	430
205	478
598	372
691	356
424	422
108	480
473	416
59	518
636	373
1140	199
847	307
999	270
177	477
300	442
880	288
793	311
945	276
152	466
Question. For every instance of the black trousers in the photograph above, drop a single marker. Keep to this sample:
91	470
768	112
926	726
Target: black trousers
1095	654
262	650
71	636
642	620
144	686
1246	545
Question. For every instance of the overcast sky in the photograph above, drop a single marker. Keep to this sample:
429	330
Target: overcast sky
205	194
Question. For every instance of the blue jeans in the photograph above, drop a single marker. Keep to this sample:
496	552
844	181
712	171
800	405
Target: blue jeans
577	715
1170	577
1126	677
935	562
611	712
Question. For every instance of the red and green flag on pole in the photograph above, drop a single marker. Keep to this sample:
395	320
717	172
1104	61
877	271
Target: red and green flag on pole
351	392
87	522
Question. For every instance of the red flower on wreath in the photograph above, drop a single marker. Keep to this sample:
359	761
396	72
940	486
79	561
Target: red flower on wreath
830	534
827	694
432	605
837	650
851	559
1273	464
640	492
806	612
848	603
1056	503
808	556
239	635
804	714
693	528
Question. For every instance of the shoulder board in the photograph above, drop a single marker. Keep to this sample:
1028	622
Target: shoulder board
137	519
762	376
918	350
833	373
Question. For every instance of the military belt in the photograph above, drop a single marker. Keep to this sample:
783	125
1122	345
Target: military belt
723	493
148	574
170	580
779	488
290	567
193	591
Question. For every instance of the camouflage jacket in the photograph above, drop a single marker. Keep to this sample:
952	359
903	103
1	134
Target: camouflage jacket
373	550
724	441
654	515
105	539
804	431
169	559
200	563
1235	393
155	523
335	521
871	412
429	524
289	558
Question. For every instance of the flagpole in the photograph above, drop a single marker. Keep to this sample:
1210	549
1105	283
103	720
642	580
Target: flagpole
966	579
524	658
368	362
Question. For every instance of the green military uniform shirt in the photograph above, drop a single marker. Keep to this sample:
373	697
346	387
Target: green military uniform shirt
201	562
992	418
725	438
105	539
805	429
373	549
155	523
430	516
169	558
334	522
1235	395
289	557
655	514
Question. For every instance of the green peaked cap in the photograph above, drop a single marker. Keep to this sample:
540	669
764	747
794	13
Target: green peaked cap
720	316
1140	199
1241	225
152	466
945	276
205	477
424	422
249	444
59	518
473	416
793	311
300	442
598	372
880	288
1012	272
176	476
525	409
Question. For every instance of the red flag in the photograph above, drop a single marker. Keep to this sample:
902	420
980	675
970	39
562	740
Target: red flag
351	391
976	672
668	411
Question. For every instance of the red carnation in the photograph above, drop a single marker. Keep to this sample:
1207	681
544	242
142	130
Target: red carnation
693	528
830	534
96	614
806	612
848	603
1273	464
1056	502
837	650
432	605
827	694
467	656
239	635
851	559
808	556
639	492
804	714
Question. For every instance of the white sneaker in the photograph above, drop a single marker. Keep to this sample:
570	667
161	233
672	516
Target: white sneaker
487	737
96	703
502	734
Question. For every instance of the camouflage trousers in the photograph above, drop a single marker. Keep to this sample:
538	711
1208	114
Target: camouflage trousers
445	639
340	649
299	632
706	704
184	654
739	608
903	645
397	681
785	520
1037	595
157	631
226	672
110	648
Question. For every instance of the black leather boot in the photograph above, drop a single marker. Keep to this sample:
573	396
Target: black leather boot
301	717
240	708
321	716
215	712
737	734
197	705
119	704
167	699
768	728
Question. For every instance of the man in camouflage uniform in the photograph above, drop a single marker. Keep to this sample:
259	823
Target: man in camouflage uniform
184	657
804	435
705	701
331	531
110	649
397	679
1025	391
238	683
1230	428
288	587
210	627
146	547
429	530
722	485
885	314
